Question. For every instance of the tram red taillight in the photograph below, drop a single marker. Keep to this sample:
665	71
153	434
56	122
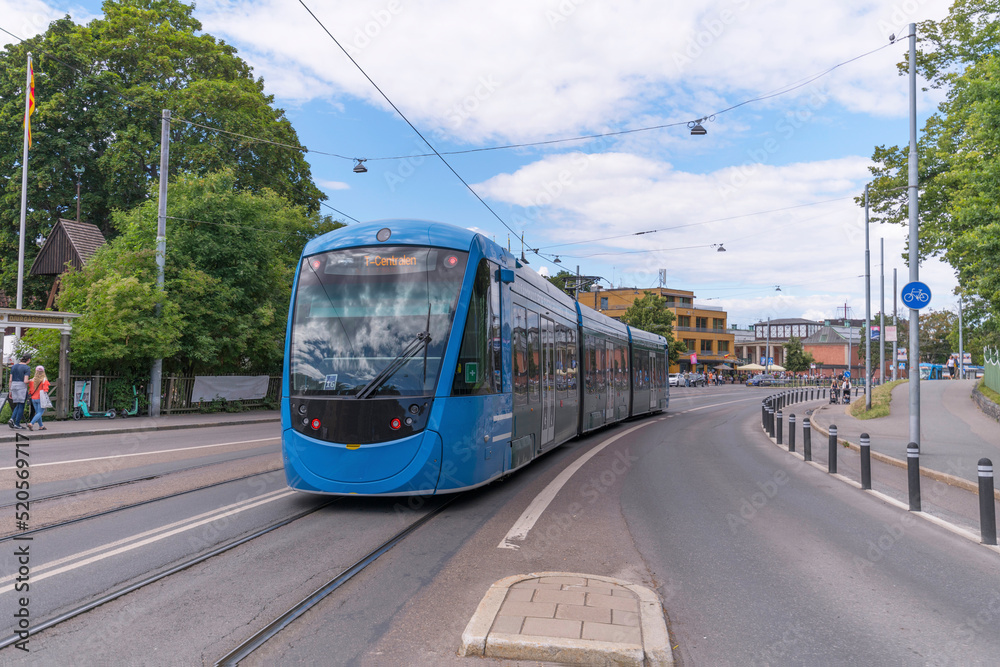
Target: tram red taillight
450	262
316	263
315	424
395	424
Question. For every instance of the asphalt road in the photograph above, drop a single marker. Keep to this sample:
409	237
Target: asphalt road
758	558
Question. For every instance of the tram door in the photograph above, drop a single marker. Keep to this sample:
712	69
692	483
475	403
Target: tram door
652	376
548	336
609	381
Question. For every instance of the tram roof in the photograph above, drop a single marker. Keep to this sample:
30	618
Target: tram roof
402	232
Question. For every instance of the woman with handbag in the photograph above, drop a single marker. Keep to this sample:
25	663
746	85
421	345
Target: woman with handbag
38	390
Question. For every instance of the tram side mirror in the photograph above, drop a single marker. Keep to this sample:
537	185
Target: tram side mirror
505	275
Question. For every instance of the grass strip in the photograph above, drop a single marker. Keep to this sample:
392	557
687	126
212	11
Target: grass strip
881	395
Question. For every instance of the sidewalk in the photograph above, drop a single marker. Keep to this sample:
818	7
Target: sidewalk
102	426
954	433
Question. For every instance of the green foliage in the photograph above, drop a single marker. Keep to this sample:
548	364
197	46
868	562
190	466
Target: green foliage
102	112
650	313
797	359
231	255
564	280
958	152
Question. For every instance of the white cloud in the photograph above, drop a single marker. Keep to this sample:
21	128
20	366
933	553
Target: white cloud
814	252
332	185
525	70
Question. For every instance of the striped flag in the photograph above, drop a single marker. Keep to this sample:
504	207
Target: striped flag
31	103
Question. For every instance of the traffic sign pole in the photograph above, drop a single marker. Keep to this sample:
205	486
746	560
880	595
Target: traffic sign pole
914	246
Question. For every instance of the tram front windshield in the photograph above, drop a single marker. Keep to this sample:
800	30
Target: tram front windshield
373	322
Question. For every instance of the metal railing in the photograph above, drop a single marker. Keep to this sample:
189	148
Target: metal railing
175	394
991	368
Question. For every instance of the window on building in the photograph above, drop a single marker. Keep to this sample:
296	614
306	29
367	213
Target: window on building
718	323
686	300
722	346
701	322
706	346
684	320
690	342
604	303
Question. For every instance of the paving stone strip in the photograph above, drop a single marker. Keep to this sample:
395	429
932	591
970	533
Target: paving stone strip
569	618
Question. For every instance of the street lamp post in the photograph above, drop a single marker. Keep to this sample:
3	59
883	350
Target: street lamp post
868	313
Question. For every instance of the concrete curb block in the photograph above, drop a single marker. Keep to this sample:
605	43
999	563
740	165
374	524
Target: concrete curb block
134	429
655	650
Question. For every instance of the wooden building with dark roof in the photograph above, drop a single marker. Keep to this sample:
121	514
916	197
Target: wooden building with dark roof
69	242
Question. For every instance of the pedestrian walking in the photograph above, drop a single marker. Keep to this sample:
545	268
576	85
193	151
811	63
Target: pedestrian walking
19	390
38	391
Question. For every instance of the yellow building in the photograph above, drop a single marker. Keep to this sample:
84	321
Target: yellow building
703	328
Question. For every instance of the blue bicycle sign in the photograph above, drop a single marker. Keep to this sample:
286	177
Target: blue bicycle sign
916	295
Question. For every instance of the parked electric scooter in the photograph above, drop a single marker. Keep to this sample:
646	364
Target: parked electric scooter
82	410
127	412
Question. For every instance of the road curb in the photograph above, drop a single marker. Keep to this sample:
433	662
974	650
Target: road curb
480	640
10	437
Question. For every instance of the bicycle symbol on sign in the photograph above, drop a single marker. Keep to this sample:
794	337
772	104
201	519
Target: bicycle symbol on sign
916	295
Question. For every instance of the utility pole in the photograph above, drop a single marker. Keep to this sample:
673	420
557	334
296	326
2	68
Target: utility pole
868	313
895	323
155	381
914	247
961	343
881	316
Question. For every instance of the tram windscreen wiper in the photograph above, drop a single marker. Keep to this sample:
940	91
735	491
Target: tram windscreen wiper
422	340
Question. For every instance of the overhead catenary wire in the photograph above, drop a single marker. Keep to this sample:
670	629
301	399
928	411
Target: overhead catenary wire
407	120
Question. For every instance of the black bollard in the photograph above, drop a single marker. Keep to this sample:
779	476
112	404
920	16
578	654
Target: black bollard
807	440
913	475
866	461
987	511
763	415
778	429
832	450
791	432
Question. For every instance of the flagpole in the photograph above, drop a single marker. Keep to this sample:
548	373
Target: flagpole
24	194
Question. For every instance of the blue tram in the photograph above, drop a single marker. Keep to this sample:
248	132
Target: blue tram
423	358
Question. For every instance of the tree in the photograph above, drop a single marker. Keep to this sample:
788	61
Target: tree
959	150
650	313
231	255
564	280
99	105
797	359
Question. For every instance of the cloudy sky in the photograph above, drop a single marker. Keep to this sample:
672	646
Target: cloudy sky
772	181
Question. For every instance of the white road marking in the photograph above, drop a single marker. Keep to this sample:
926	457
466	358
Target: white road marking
142	539
162	451
519	531
715	405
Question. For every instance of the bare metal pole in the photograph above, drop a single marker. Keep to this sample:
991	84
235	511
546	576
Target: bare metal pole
895	323
868	313
24	195
881	316
914	249
161	254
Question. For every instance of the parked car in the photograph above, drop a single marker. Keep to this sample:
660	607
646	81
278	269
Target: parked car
675	379
761	380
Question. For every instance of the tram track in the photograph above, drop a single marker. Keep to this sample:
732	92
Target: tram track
272	629
125	590
134	480
95	515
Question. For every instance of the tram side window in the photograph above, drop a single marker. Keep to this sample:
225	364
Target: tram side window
474	373
495	329
520	355
534	358
590	361
560	360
